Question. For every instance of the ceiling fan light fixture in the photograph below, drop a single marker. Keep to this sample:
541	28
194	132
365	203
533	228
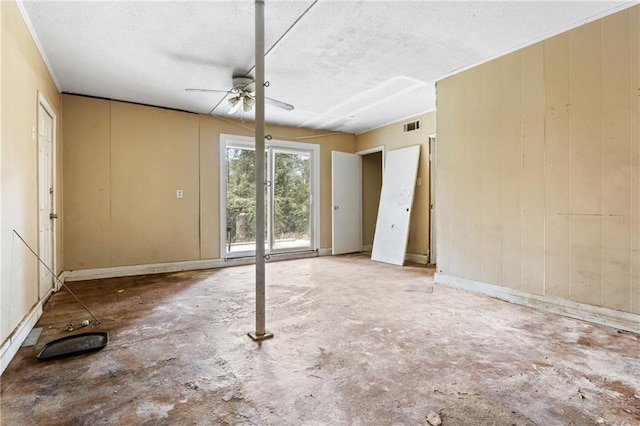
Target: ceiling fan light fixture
235	104
248	103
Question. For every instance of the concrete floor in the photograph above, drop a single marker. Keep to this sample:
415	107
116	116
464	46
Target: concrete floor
351	346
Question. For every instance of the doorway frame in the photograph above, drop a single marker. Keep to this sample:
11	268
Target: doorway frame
379	148
433	252
362	153
44	103
276	144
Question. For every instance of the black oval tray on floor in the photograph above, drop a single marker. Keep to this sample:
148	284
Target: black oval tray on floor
73	345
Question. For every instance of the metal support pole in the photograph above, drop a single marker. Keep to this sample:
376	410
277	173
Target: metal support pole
260	333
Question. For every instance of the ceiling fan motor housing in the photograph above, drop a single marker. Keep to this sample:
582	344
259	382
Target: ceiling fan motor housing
240	84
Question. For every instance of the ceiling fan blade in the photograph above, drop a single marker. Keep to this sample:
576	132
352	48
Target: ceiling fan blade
278	104
207	90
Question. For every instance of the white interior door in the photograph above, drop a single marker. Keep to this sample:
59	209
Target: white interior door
396	200
45	198
346	204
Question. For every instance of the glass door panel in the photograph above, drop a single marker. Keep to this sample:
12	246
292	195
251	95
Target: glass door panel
291	200
241	200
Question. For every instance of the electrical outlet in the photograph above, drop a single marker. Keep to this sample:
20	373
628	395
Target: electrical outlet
179	193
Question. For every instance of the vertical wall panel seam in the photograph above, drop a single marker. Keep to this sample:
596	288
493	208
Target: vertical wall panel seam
570	183
544	171
603	251
199	188
631	150
452	176
501	280
110	169
521	169
502	181
468	220
463	181
633	92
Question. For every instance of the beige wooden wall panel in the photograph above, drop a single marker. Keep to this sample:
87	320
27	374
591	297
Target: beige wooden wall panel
154	152
557	179
568	167
616	162
209	189
533	168
511	171
473	177
616	279
87	208
457	160
616	120
444	175
585	91
491	174
634	29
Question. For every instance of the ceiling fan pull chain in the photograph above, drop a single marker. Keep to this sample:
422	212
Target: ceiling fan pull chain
266	84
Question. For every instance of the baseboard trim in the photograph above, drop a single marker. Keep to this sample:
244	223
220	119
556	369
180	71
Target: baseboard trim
161	268
582	311
11	345
422	259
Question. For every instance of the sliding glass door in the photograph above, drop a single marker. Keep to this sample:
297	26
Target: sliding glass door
290	184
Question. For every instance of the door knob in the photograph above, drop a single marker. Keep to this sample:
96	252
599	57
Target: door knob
335	207
53	215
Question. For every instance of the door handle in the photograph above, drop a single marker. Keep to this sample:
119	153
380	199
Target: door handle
53	215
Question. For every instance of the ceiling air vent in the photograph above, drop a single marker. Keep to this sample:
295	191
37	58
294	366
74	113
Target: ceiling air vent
412	126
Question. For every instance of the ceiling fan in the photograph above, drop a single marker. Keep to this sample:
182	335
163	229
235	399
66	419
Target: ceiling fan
242	95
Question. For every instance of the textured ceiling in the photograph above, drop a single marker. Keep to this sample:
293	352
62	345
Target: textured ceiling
345	65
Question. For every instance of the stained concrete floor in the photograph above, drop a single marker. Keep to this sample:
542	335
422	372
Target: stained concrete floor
351	346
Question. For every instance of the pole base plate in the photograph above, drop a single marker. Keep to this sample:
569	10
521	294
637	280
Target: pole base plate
260	337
